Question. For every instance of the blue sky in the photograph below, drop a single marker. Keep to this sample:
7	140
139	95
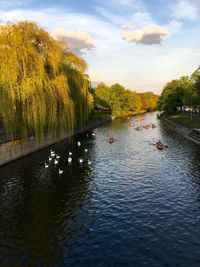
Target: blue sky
141	44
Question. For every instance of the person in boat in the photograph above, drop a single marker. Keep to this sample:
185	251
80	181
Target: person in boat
160	145
111	139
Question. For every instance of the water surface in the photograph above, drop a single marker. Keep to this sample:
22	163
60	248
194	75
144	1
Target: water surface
133	206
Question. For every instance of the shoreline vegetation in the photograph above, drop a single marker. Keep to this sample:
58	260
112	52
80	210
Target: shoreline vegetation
180	103
176	124
121	102
186	120
180	99
44	87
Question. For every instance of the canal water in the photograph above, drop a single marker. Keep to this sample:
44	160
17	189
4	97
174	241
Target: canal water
132	206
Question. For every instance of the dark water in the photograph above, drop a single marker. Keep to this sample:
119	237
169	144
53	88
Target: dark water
133	206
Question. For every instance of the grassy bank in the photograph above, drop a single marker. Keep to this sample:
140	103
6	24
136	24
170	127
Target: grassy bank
187	120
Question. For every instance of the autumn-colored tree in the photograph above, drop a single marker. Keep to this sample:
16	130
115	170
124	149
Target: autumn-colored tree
149	101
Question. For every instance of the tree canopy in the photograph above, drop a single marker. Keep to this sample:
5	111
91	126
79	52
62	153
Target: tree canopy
122	101
149	101
42	87
180	93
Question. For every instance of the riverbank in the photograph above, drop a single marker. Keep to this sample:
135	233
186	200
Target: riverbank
16	149
188	120
130	114
182	128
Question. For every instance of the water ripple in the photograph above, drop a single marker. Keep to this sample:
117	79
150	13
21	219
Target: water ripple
134	206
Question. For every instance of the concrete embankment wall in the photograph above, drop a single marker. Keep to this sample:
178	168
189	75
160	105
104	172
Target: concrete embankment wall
176	127
16	149
180	129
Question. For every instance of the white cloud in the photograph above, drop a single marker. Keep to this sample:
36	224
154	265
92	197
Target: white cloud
184	9
56	18
127	27
74	40
140	19
149	35
173	26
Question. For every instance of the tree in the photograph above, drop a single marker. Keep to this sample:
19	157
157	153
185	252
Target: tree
132	102
117	93
102	96
149	101
195	77
176	94
36	82
116	98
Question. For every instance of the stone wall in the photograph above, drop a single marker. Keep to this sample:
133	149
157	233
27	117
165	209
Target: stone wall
176	127
16	149
180	129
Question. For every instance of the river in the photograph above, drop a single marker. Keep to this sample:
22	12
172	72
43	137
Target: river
133	206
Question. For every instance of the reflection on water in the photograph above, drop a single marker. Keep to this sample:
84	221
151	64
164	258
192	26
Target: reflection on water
133	206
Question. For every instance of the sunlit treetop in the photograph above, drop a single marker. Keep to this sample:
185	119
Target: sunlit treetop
35	94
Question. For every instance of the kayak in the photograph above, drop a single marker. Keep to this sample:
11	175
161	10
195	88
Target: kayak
139	120
111	140
160	147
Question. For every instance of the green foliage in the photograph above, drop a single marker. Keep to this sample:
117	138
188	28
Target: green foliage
149	101
102	97
116	98
176	94
195	77
42	88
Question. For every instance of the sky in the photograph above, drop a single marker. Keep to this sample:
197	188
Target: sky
141	44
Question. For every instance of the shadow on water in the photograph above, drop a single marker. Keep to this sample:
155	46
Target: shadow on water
39	208
133	206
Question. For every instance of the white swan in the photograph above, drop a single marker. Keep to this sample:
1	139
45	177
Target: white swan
93	134
79	143
46	165
55	161
86	150
50	158
60	171
52	152
80	160
69	159
89	162
70	153
57	156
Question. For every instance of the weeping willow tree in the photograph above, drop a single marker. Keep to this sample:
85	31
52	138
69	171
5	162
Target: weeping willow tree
41	86
74	67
